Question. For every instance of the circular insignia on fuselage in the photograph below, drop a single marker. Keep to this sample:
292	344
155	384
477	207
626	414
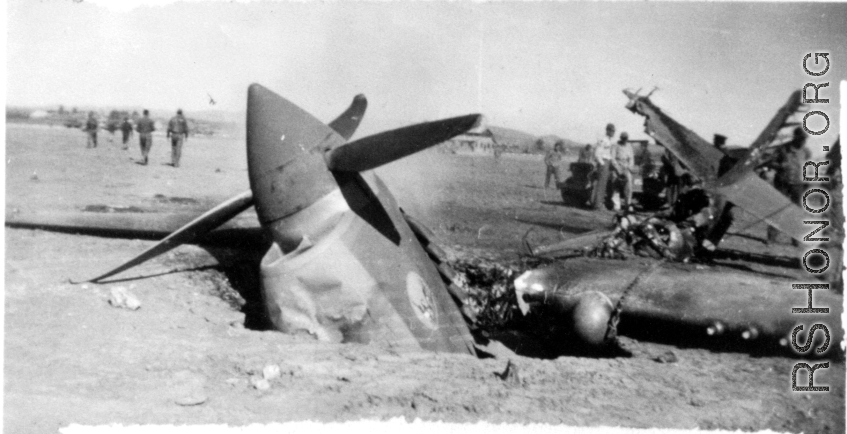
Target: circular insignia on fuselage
422	300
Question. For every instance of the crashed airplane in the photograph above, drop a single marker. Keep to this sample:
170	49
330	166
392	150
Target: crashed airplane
660	300
344	263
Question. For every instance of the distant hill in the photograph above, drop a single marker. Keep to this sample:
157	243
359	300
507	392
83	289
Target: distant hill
570	145
487	138
512	138
528	143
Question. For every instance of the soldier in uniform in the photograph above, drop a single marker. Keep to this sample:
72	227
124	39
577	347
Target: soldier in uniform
178	133
126	131
91	127
145	128
603	157
623	163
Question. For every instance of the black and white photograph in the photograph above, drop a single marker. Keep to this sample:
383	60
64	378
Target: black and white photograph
604	215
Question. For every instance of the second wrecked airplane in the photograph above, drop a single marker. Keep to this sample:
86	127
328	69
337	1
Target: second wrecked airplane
731	181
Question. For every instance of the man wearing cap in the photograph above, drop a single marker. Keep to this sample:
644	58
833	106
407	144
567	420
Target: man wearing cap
178	133
603	158
623	162
145	127
726	161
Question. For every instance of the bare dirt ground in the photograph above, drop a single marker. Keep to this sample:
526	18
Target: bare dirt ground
189	355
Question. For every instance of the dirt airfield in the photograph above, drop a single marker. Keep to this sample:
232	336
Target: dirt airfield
190	354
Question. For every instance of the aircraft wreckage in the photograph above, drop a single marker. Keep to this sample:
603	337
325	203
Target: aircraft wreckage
690	230
344	263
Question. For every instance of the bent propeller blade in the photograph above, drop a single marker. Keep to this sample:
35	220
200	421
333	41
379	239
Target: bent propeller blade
347	123
197	227
374	151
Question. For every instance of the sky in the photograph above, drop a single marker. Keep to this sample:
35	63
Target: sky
541	67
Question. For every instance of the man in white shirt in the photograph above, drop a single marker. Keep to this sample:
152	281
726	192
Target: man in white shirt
603	157
623	162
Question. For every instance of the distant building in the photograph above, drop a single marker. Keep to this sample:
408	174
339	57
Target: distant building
479	139
39	114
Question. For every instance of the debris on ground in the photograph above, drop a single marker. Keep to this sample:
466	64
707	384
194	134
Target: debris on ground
121	297
666	357
269	372
556	318
260	383
191	400
511	375
490	289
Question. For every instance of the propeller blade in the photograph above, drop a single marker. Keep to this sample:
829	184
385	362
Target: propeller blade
197	227
345	124
374	151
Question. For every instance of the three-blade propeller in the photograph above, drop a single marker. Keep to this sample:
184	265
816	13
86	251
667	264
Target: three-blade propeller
275	122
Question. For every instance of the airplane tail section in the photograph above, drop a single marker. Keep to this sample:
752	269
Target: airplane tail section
744	188
779	121
754	156
740	185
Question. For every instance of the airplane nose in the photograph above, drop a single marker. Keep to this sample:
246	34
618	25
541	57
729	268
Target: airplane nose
285	147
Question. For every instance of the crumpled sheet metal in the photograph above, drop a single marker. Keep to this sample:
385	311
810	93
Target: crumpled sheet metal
653	236
323	293
356	285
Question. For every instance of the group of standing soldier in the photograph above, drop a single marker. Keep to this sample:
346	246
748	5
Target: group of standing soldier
613	165
607	168
177	132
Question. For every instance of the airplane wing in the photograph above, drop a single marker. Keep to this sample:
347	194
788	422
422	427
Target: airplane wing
147	225
698	155
757	197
